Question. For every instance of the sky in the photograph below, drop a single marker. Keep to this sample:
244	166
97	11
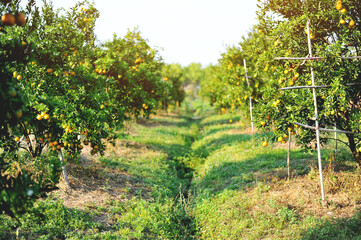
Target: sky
185	31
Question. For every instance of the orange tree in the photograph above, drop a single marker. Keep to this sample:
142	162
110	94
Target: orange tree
174	91
335	32
133	74
228	88
62	97
19	188
61	92
281	32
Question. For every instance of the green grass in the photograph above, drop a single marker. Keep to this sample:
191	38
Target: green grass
234	187
201	178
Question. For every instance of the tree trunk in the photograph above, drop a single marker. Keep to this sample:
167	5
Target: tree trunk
353	149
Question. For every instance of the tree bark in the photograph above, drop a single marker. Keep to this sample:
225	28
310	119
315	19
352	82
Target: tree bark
353	149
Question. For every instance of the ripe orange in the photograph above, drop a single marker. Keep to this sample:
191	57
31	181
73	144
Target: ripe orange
19	113
20	19
17	139
339	5
49	70
265	144
263	123
8	19
19	77
351	23
280	139
342	21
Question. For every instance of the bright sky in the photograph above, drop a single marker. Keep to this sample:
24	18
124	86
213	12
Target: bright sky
186	30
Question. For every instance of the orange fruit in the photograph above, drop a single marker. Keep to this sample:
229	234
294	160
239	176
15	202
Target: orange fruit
8	19
19	113
265	144
339	5
20	19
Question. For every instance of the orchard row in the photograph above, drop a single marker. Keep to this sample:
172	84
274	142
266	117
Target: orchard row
61	90
281	31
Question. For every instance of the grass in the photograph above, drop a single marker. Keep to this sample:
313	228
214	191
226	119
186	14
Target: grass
174	177
242	191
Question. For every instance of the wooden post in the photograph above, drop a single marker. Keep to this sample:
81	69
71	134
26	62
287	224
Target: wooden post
65	173
289	154
250	98
335	138
316	114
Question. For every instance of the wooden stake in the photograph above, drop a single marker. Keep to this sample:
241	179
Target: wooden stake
316	115
65	173
311	58
250	98
335	138
289	154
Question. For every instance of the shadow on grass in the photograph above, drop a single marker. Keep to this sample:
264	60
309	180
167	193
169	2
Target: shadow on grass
156	122
220	129
206	147
345	228
236	175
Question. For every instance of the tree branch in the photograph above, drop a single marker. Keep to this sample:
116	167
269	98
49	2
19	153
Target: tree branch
338	140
